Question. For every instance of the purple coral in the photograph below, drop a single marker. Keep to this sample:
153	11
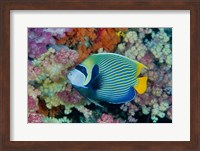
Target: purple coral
58	32
39	38
37	41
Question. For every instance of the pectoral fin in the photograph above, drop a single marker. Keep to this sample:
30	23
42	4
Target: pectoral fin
141	85
95	82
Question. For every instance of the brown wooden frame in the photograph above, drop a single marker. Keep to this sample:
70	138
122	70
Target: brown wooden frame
7	5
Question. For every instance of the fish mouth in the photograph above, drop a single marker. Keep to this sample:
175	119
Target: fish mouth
69	75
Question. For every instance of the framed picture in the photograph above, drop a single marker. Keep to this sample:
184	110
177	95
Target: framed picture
92	75
99	76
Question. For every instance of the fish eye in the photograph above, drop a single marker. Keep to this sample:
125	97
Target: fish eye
81	69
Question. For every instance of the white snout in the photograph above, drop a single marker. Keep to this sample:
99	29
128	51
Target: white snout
76	77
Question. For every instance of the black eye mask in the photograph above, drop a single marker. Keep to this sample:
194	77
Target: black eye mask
81	69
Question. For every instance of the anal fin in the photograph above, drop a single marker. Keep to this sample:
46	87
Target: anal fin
95	102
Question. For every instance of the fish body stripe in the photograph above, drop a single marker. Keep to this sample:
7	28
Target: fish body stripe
117	59
128	95
111	79
118	71
114	63
115	89
117	68
119	84
116	93
111	94
117	77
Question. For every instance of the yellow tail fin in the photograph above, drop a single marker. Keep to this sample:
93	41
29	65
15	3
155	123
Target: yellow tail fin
141	86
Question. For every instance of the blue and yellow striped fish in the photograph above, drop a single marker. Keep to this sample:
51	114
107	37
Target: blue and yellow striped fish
108	77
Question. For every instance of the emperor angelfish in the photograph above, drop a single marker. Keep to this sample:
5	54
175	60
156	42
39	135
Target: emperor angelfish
108	77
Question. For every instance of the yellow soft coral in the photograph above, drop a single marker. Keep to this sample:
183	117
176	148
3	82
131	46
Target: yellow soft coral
49	88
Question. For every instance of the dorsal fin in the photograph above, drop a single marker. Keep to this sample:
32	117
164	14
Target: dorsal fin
140	66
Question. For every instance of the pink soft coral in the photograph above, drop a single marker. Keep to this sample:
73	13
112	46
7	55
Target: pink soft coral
32	104
33	72
35	118
107	118
66	56
70	95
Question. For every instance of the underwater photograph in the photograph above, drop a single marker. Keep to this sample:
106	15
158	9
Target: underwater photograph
99	75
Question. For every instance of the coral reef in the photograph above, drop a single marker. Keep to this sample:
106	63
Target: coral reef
52	52
90	40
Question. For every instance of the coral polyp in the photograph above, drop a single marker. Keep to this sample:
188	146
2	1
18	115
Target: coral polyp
54	52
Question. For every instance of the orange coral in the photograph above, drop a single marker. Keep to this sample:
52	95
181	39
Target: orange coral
121	29
83	53
77	35
108	40
53	112
90	40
